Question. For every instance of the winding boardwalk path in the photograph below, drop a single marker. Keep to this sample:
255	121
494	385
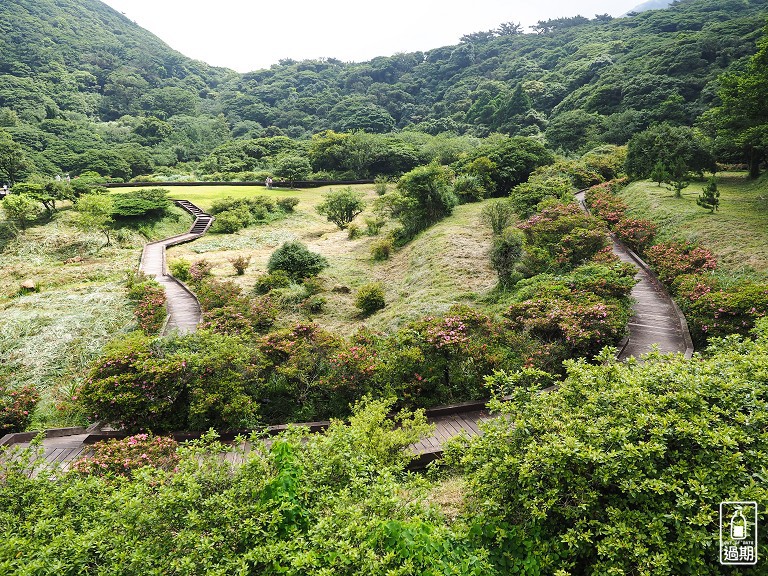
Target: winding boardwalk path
657	321
183	308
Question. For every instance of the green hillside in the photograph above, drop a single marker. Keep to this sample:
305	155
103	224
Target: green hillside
82	88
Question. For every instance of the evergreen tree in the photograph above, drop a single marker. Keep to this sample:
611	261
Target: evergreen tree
710	198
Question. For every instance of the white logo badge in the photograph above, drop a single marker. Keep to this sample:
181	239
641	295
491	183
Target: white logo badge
738	533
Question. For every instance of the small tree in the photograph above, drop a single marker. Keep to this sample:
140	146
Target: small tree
498	214
94	212
292	167
341	206
679	177
660	174
296	260
20	209
505	254
710	199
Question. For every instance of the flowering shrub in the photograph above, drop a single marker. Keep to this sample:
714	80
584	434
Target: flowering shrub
199	270
635	233
190	383
565	234
16	406
672	259
584	325
713	311
148	297
604	204
122	457
601	200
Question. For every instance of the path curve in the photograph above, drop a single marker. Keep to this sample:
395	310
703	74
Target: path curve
184	311
657	320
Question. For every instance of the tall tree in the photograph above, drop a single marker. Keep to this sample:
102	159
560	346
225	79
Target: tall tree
741	120
12	159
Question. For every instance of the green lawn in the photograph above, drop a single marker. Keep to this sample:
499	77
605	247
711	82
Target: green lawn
204	196
737	233
445	264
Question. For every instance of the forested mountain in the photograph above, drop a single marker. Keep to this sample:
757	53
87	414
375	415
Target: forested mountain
658	65
84	88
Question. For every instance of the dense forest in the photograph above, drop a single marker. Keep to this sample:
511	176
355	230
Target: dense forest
84	89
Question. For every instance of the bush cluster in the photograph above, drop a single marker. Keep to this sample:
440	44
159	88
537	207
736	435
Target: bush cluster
141	384
148	298
672	259
233	214
141	203
16	406
122	457
603	467
582	311
636	233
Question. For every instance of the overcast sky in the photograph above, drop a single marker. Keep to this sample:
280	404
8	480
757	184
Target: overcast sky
248	35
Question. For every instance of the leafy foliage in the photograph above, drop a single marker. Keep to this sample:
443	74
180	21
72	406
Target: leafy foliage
141	203
370	298
341	206
651	448
16	406
296	260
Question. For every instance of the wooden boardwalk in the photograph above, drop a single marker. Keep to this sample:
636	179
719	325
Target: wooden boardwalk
657	321
184	312
58	454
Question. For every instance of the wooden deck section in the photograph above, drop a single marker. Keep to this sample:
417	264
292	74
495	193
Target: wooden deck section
184	311
657	321
58	454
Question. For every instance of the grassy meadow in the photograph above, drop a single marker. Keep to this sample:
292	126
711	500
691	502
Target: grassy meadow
443	265
737	233
50	336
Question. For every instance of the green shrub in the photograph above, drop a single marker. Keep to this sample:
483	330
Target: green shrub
296	260
498	214
354	232
16	406
620	445
382	249
315	304
341	206
20	209
189	383
370	298
180	269
231	221
141	203
267	282
525	197
424	196
374	225
288	204
505	254
380	185
469	188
